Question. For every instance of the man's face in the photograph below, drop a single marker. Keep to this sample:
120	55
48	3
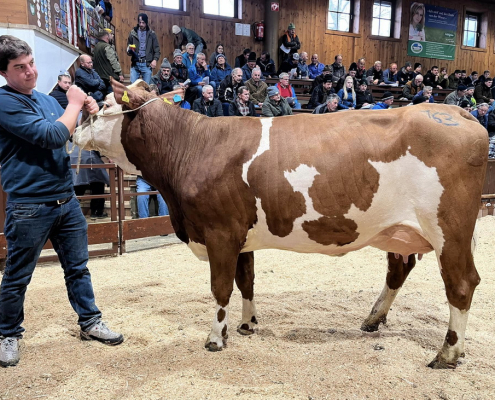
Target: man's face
275	97
389	102
362	88
178	60
327	85
378	67
190	50
470	92
426	94
434	71
314	59
65	82
87	62
291	31
418	69
166	73
221	61
251	64
339	60
237	77
475	76
393	68
246	56
463	74
409	68
332	105
361	64
304	56
200	59
487	74
142	24
418	81
208	94
457	74
256	75
488	83
244	96
21	74
263	58
284	81
482	111
352	73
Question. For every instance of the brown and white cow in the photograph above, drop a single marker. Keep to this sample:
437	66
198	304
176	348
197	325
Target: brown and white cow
407	181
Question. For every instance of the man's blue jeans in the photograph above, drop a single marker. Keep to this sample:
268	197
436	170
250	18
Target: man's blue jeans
27	229
141	69
143	201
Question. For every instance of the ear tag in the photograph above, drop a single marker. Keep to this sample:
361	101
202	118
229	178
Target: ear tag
125	97
166	101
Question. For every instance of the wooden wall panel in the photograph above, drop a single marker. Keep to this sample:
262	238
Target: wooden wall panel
13	12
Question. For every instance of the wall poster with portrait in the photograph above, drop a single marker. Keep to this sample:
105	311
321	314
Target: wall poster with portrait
432	31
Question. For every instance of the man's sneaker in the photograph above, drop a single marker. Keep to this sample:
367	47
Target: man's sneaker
9	351
100	332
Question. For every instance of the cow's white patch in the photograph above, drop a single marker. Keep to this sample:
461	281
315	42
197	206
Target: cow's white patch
248	312
199	250
408	195
382	306
105	135
266	124
215	335
457	323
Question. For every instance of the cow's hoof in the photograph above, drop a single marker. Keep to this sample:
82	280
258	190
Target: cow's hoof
370	328
372	324
244	329
438	363
212	346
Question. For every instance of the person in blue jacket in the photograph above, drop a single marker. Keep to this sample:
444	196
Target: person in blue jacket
198	72
427	92
387	101
347	94
221	70
41	205
481	114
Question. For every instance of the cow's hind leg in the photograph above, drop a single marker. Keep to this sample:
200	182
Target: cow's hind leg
244	279
223	256
461	278
396	275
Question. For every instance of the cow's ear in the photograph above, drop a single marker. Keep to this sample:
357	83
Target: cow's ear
127	97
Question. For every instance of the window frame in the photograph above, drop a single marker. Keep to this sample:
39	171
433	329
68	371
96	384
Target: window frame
238	9
465	30
181	11
483	13
392	19
354	25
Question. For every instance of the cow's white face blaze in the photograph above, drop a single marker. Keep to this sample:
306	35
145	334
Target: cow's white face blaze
105	135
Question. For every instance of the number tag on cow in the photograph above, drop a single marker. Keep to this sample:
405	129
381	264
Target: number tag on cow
125	97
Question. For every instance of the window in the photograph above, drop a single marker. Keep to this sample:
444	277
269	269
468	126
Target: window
340	13
471	30
170	4
383	22
221	8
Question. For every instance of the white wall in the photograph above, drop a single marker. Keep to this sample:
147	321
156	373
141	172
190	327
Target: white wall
50	56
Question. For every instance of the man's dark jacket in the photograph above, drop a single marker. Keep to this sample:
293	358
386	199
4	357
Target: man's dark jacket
152	46
211	109
91	83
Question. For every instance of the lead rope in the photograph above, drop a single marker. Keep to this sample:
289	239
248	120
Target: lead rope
75	135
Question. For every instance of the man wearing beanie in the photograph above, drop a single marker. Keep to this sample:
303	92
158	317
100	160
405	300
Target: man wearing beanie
221	69
417	69
364	98
183	36
387	100
275	105
164	80
179	70
144	49
353	69
456	96
290	41
247	69
321	92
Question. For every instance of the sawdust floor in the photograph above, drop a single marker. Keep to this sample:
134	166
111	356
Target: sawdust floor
308	345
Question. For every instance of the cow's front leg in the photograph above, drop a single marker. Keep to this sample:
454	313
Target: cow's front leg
223	259
397	274
244	278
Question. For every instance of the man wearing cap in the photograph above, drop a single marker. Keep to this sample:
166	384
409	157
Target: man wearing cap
331	105
89	80
417	69
275	105
290	65
405	74
327	70
221	69
144	49
106	10
179	69
290	41
60	91
390	75
412	88
184	36
321	92
456	96
164	80
248	67
257	88
364	98
387	101
241	59
106	61
207	104
469	95
266	64
316	67
454	79
287	91
375	74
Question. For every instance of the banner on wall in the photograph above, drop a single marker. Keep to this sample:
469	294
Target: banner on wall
432	32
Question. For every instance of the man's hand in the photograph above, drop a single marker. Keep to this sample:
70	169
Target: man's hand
90	105
76	96
121	78
153	64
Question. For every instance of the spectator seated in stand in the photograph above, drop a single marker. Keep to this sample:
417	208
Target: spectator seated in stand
241	59
179	100
227	90
385	103
337	68
290	66
456	96
303	67
248	67
267	65
321	92
213	57
207	104
221	70
483	91
89	80
352	73
364	98
347	94
60	91
275	105
327	70
287	91
375	74
481	114
315	68
198	74
164	80
412	88
427	93
257	88
405	74
241	106
390	75
332	104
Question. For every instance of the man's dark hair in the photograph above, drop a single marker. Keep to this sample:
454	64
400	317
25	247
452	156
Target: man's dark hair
246	51
457	71
266	54
11	48
485	72
66	74
339	55
474	73
488	79
434	67
463	71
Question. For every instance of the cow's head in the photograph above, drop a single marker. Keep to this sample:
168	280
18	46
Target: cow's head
103	131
